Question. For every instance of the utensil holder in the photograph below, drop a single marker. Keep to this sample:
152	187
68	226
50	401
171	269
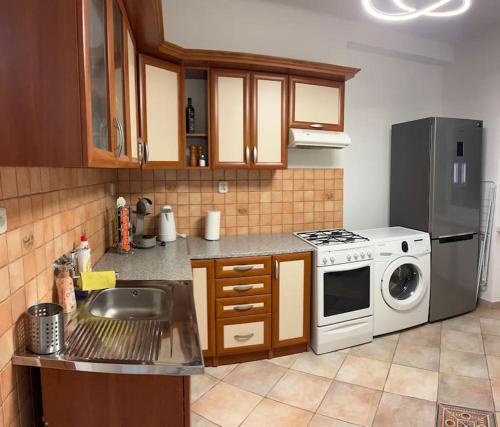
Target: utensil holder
46	328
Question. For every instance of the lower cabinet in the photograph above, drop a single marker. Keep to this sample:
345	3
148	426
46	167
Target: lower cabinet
253	307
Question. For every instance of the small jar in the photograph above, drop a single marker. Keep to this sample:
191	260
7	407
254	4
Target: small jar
65	289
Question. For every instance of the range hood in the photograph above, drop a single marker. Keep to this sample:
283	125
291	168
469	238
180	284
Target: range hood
305	138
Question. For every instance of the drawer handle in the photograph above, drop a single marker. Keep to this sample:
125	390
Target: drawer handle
243	337
316	125
243	267
243	307
243	288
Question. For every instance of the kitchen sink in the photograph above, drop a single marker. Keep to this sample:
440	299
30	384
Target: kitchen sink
131	304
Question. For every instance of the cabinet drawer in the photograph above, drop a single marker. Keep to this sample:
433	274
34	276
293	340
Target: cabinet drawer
243	286
242	267
243	334
243	306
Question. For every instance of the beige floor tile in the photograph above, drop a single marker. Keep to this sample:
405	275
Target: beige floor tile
494	366
226	405
427	335
417	356
393	337
461	341
324	365
491	345
465	391
304	391
322	421
380	349
271	413
401	411
220	371
350	403
364	372
285	361
490	326
413	382
495	388
197	421
488	312
200	384
465	323
258	377
463	363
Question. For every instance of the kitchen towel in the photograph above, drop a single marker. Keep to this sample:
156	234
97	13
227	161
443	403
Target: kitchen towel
95	280
212	225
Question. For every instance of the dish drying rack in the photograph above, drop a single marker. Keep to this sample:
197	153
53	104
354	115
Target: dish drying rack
488	199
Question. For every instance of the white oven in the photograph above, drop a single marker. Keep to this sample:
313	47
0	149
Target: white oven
343	292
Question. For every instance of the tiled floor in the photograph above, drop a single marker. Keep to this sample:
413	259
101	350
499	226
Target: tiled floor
394	381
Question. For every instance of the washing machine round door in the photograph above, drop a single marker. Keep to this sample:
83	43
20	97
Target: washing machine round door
403	286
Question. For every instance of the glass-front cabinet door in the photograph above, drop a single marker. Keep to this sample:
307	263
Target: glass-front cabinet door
106	55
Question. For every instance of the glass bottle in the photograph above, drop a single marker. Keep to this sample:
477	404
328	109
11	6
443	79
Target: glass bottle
190	116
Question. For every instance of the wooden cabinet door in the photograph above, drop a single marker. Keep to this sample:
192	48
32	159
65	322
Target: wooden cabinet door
162	118
204	301
269	120
230	137
132	111
291	299
316	104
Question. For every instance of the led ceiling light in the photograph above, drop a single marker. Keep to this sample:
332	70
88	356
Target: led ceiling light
407	13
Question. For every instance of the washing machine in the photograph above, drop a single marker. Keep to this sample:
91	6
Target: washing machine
402	278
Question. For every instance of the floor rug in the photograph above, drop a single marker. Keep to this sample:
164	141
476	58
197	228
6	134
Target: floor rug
457	416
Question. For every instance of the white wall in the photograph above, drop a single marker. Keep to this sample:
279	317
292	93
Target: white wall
472	90
401	79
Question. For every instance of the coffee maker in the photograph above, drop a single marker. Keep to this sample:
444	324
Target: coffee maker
144	207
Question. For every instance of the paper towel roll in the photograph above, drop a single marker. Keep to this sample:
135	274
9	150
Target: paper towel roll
212	225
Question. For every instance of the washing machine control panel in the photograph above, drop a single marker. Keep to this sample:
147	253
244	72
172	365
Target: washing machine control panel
414	246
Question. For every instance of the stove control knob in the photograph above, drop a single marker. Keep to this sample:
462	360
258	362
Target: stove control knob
348	257
332	259
362	255
325	260
369	254
356	256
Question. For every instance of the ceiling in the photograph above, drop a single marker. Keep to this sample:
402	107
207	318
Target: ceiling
483	13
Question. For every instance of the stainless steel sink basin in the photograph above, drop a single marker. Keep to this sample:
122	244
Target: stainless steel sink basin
131	304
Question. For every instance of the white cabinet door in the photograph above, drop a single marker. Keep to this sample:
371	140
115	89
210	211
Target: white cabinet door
203	292
316	104
269	120
162	118
229	118
291	299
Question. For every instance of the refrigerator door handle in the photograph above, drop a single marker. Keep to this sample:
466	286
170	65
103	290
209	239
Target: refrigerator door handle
456	238
455	173
463	179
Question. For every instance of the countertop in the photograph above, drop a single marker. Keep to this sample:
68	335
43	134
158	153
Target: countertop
172	262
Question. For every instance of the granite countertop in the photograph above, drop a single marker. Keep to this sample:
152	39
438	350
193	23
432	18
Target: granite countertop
172	262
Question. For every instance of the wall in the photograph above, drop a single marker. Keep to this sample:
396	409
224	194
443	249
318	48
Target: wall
257	201
401	79
47	211
472	90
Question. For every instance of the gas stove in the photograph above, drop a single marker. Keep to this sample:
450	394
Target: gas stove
337	246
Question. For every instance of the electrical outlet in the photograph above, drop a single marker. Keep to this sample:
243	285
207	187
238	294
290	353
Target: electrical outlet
223	187
3	220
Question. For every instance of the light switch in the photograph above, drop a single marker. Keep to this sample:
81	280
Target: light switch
3	220
223	187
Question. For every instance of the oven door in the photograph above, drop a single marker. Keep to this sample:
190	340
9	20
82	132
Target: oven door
344	292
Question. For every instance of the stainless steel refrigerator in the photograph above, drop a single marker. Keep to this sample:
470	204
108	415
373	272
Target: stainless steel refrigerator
436	187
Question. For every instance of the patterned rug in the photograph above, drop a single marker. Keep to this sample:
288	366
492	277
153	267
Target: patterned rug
456	416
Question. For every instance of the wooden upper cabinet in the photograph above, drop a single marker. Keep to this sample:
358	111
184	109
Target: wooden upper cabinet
230	93
132	110
269	120
107	84
316	104
162	118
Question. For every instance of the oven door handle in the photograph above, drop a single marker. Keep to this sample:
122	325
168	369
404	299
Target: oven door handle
345	267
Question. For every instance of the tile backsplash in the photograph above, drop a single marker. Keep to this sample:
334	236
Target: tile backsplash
47	210
258	201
